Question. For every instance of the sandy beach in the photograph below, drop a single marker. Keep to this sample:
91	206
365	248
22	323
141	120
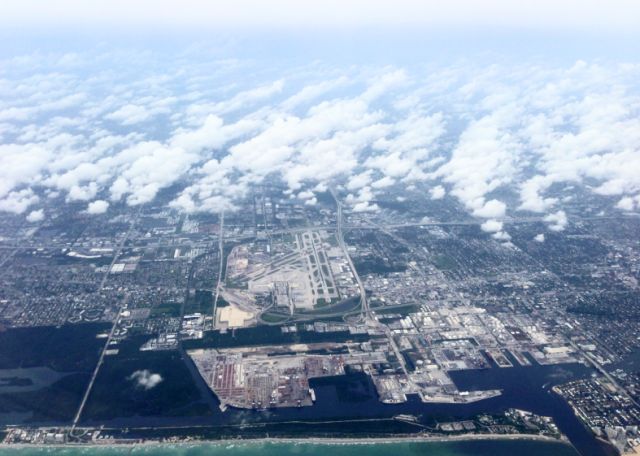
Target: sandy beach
307	441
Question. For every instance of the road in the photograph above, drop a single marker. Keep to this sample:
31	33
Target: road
76	419
123	303
116	254
220	268
364	304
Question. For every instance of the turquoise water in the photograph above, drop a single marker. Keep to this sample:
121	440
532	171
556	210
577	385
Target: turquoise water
461	448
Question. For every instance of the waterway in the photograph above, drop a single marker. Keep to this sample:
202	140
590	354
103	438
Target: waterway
348	406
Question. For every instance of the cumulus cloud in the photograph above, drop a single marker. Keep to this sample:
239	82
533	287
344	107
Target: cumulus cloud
365	206
491	226
82	192
501	236
313	91
214	133
485	158
19	201
150	166
130	114
491	209
476	130
626	204
359	180
437	192
144	379
21	164
240	100
35	216
530	194
383	182
97	207
557	221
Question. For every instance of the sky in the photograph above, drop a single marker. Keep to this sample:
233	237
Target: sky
345	31
593	15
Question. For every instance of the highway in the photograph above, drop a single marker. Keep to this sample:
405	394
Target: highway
364	304
98	366
113	327
220	269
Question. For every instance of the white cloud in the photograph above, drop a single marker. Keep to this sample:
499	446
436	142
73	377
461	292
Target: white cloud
491	226
241	100
473	129
501	236
530	194
97	207
82	193
557	221
485	158
21	164
365	206
359	180
308	194
149	167
437	192
213	134
18	201
539	237
491	209
130	114
384	182
313	91
626	204
145	379
35	216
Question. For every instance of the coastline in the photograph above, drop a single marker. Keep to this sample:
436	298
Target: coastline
302	440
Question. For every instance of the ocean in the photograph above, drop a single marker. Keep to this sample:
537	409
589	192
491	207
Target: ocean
457	448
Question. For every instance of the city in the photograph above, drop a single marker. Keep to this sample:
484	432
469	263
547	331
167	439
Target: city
265	301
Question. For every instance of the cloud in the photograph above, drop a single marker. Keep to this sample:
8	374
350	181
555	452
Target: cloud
359	180
150	166
97	207
214	133
557	221
82	192
130	114
241	100
144	379
539	237
530	194
501	236
626	204
481	131
437	192
491	226
313	91
365	206
21	164
35	216
484	159
491	209
19	201
383	182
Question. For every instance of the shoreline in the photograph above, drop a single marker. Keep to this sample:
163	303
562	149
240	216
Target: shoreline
302	440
